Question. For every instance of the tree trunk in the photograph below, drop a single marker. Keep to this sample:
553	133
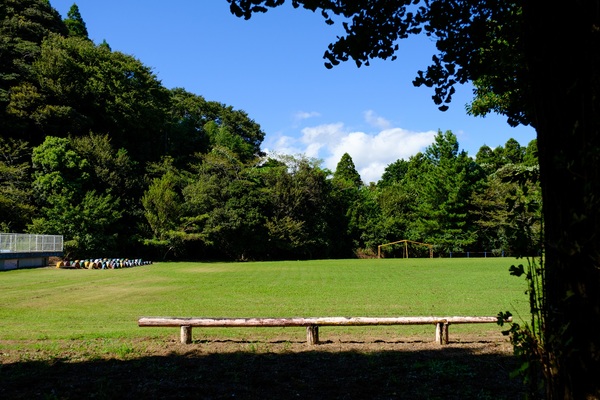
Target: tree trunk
562	53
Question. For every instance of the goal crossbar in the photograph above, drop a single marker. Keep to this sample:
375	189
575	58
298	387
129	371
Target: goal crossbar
406	242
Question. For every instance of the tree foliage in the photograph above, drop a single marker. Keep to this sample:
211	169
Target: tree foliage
86	87
24	24
297	208
16	208
447	181
163	205
70	204
196	125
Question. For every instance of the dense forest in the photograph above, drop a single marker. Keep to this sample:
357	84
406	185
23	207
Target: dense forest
95	148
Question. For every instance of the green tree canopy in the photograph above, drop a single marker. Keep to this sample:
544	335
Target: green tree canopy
223	205
23	26
393	173
81	87
488	158
196	125
16	208
297	208
163	208
70	204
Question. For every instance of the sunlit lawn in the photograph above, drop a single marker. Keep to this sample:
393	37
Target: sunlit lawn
53	303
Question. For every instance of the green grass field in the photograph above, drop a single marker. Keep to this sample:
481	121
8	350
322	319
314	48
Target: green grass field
73	333
55	304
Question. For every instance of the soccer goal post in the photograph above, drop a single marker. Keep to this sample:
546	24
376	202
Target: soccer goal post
405	242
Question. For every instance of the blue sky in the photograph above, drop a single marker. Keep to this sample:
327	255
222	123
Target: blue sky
272	67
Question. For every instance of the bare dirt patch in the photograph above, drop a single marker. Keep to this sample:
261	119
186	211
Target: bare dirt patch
340	368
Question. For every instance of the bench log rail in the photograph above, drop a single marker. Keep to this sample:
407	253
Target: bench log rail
311	324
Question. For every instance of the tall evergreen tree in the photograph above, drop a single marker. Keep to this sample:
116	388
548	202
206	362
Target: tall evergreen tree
444	196
513	152
488	159
346	195
346	174
75	24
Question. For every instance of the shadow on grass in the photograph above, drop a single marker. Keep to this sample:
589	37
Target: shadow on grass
453	373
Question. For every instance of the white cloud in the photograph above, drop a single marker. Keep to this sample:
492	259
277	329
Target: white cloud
313	150
285	145
371	152
324	134
302	115
375	120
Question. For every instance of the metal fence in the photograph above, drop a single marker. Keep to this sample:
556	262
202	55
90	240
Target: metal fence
25	243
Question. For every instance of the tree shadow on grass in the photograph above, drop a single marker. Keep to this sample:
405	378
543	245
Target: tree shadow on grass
451	373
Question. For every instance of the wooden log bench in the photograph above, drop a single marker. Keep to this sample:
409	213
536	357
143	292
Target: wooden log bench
312	324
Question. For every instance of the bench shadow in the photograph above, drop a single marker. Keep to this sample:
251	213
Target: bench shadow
452	373
358	342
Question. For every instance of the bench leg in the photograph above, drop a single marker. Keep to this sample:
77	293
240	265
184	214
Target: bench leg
441	333
312	334
186	334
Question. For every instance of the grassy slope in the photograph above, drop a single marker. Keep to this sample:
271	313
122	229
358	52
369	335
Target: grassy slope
84	304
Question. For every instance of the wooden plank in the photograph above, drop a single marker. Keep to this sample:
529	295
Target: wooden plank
474	320
311	324
317	321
